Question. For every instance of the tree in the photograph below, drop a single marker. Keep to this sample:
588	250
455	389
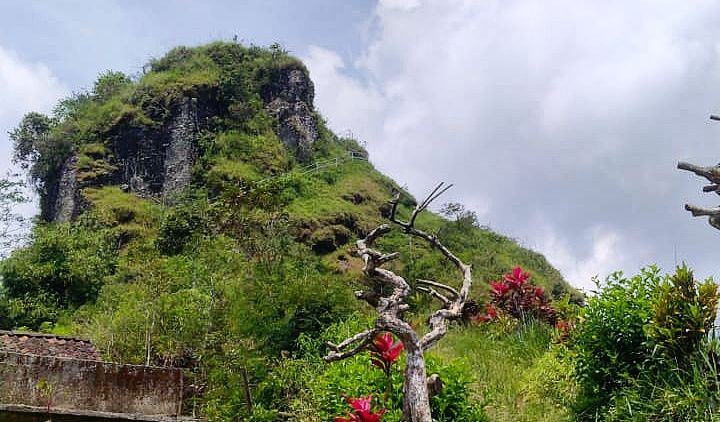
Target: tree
392	306
108	84
462	215
36	150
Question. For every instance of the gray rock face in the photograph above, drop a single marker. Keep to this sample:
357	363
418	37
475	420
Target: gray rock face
292	107
158	161
139	157
67	203
181	149
150	163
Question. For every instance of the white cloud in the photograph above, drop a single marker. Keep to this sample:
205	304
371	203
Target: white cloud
604	257
560	118
24	87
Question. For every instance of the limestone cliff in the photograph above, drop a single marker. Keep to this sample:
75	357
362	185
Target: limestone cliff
158	161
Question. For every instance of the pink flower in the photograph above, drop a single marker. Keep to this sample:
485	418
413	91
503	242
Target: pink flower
362	408
384	352
539	292
499	288
517	278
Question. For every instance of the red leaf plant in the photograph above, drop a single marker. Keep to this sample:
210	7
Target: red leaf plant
361	406
514	295
489	315
383	352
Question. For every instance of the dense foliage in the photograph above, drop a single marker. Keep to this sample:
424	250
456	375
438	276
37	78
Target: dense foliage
643	349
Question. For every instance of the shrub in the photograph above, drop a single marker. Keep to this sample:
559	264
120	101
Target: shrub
518	298
683	314
642	349
610	340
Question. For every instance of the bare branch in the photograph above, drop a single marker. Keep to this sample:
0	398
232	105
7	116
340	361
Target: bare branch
368	296
464	268
439	190
438	324
713	213
711	188
372	236
434	293
363	338
419	208
699	211
710	173
439	286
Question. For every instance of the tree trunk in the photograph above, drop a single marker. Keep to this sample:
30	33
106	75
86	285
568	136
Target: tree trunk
416	401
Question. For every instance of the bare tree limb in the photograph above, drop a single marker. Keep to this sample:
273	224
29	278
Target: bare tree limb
699	211
364	338
419	208
434	293
711	188
445	287
710	173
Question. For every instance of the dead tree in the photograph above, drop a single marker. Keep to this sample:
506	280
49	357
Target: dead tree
391	307
712	174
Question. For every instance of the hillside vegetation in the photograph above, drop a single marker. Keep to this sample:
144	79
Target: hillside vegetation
246	269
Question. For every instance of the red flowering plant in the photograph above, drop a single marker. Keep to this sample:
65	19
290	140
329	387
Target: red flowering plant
383	352
362	411
490	314
514	295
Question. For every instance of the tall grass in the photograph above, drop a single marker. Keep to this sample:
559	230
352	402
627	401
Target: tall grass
506	360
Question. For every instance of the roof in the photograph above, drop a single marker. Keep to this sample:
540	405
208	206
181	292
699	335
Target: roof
47	345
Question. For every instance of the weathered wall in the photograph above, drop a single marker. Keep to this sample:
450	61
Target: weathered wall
89	385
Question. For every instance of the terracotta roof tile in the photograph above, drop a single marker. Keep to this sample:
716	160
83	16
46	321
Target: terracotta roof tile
47	345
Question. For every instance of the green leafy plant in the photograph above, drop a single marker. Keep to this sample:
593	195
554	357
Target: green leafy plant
683	314
610	341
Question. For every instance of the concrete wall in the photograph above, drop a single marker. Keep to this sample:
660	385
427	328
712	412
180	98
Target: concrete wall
84	385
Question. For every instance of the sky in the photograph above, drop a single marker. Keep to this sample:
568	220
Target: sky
560	122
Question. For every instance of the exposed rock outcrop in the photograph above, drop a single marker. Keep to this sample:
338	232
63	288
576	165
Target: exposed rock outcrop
66	204
292	107
158	161
181	148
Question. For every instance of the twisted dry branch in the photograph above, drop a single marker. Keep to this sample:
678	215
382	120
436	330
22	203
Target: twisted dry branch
416	407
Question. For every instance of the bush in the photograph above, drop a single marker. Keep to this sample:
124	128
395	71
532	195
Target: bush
63	266
642	349
610	340
516	297
684	314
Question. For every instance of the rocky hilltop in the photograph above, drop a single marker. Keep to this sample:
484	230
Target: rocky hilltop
157	160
